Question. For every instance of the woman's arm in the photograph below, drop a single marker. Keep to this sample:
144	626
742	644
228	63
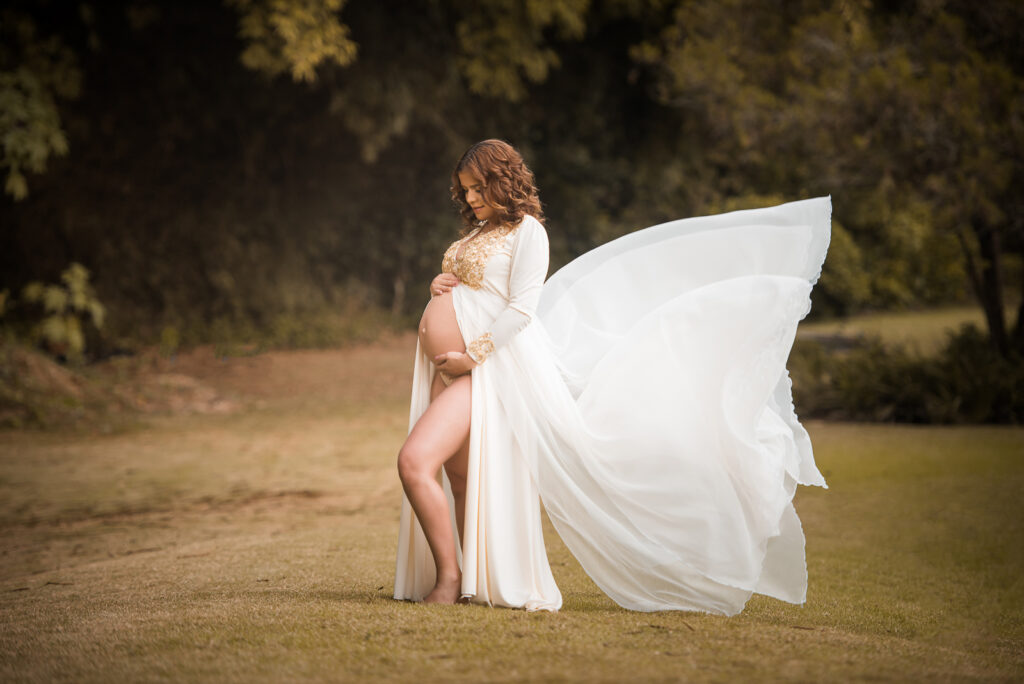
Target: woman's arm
526	278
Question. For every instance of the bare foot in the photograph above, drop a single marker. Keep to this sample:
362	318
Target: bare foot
445	591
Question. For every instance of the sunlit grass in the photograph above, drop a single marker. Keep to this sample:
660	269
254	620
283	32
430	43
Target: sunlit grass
925	330
260	547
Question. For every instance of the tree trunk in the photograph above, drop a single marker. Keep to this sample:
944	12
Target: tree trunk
398	301
973	275
1018	328
991	286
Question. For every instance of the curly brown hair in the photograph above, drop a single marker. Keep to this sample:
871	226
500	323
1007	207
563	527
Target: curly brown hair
508	184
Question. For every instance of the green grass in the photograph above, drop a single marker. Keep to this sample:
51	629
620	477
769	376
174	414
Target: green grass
924	331
260	547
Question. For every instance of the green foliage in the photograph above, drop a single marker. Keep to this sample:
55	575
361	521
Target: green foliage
986	387
298	329
64	309
875	381
503	42
631	112
170	340
34	72
845	285
900	115
295	36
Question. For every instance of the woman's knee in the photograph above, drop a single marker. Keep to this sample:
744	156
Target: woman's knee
412	463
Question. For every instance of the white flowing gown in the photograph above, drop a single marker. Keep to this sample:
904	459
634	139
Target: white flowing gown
646	401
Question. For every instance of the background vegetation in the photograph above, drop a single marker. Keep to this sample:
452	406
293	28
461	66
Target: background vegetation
275	172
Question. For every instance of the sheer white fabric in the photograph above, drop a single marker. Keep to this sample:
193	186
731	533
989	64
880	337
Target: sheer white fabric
648	404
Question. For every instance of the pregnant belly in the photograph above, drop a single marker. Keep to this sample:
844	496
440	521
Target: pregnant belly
439	329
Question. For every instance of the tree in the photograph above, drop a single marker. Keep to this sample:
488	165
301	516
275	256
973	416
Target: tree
191	170
35	72
899	111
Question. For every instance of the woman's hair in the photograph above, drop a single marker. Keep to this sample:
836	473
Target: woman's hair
508	183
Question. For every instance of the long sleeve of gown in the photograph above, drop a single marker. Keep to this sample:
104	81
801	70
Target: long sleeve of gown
526	277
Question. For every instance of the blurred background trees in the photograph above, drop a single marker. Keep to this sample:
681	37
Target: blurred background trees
223	169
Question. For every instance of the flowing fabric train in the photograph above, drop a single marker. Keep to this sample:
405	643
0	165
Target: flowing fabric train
650	404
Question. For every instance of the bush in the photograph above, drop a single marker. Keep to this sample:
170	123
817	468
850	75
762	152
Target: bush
967	382
54	316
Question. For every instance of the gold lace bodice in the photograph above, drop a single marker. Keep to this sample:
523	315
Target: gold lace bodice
469	266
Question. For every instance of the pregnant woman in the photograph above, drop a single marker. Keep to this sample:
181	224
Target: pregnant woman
641	393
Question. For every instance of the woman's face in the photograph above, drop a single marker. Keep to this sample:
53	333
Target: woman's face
474	188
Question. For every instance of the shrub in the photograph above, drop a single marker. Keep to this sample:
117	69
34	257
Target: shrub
967	382
55	314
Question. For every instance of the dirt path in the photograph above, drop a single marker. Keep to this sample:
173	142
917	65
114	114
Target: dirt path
304	430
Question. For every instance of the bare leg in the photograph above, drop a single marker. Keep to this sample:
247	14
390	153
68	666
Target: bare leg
455	468
439	433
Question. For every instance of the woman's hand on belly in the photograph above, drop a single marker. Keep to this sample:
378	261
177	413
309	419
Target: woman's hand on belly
439	329
454	363
443	282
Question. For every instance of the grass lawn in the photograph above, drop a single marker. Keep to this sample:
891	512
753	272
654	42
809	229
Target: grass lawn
258	545
923	330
